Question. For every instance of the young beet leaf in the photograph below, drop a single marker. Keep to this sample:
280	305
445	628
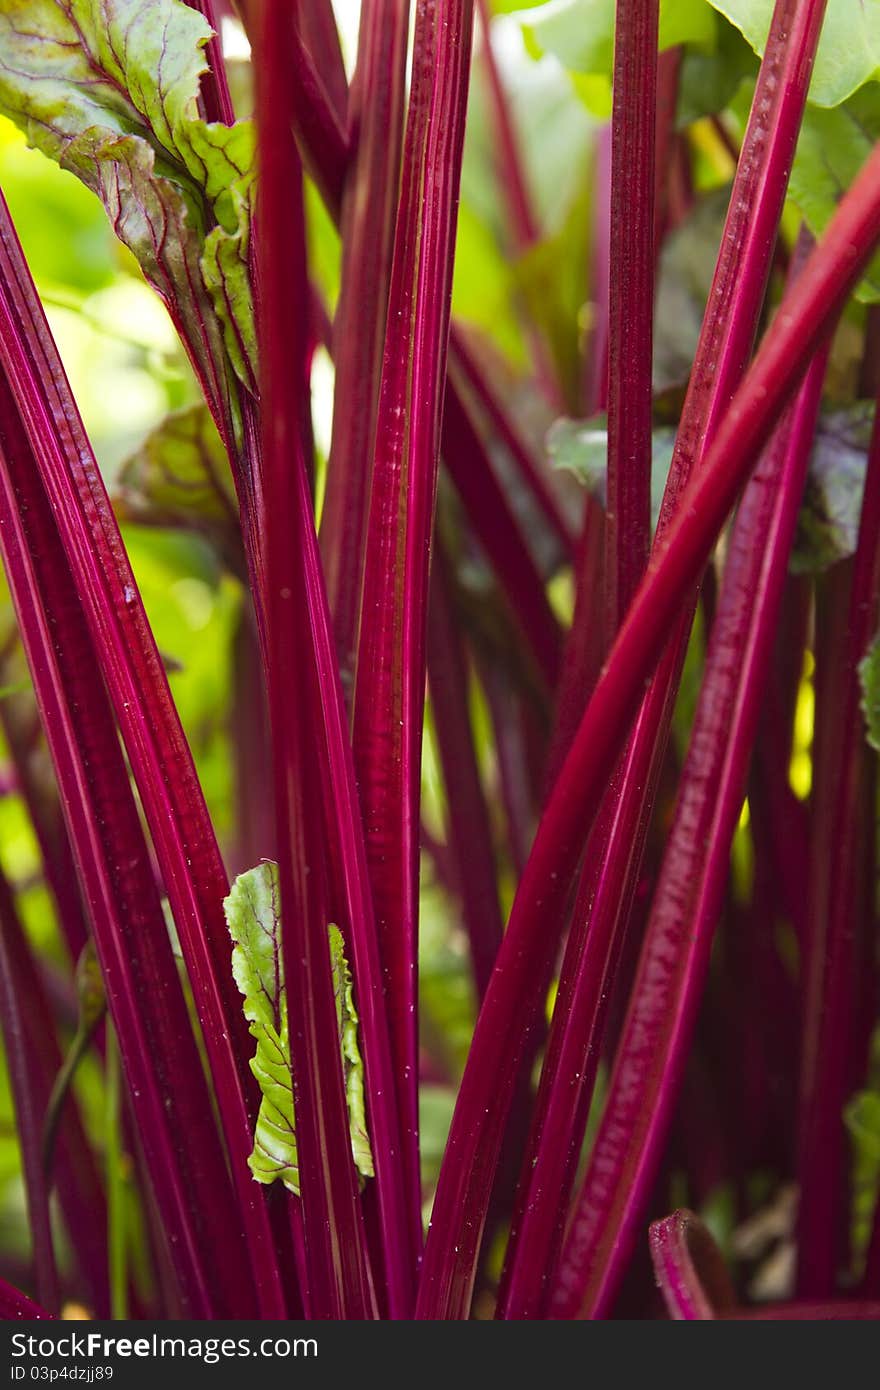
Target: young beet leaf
253	912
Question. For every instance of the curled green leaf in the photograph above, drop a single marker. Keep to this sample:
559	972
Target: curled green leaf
253	914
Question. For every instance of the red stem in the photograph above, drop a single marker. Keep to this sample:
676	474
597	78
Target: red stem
470	832
367	232
668	987
831	956
631	299
339	1280
389	692
502	1028
689	1269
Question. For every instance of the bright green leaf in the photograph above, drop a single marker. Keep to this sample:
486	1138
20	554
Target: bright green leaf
832	148
110	91
869	676
849	47
581	447
580	33
180	477
253	915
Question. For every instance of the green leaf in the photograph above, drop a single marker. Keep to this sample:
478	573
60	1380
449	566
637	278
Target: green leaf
253	915
869	677
180	477
581	447
110	91
862	1117
832	148
710	79
849	47
580	33
828	522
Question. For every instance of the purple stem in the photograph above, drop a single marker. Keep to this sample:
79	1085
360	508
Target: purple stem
389	693
162	1066
367	231
162	763
669	982
502	1028
831	955
317	24
466	372
689	1269
470	831
76	1173
300	692
631	300
24	1081
499	534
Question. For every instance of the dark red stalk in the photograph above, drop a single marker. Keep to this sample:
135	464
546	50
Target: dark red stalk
323	138
161	761
612	866
831	954
466	372
24	1084
17	1307
367	230
689	1269
41	800
389	692
338	1276
516	796
169	1096
631	304
499	534
469	828
319	30
805	319
669	982
215	96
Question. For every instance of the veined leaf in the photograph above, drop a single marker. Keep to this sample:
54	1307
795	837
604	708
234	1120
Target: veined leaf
253	912
180	477
849	49
832	148
110	91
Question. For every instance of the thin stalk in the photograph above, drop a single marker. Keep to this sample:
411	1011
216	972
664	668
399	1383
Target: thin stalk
465	372
389	692
162	763
76	1174
631	299
367	231
321	34
650	1058
25	1088
499	534
502	1028
163	1069
690	1269
831	957
338	1278
116	1232
612	866
470	832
